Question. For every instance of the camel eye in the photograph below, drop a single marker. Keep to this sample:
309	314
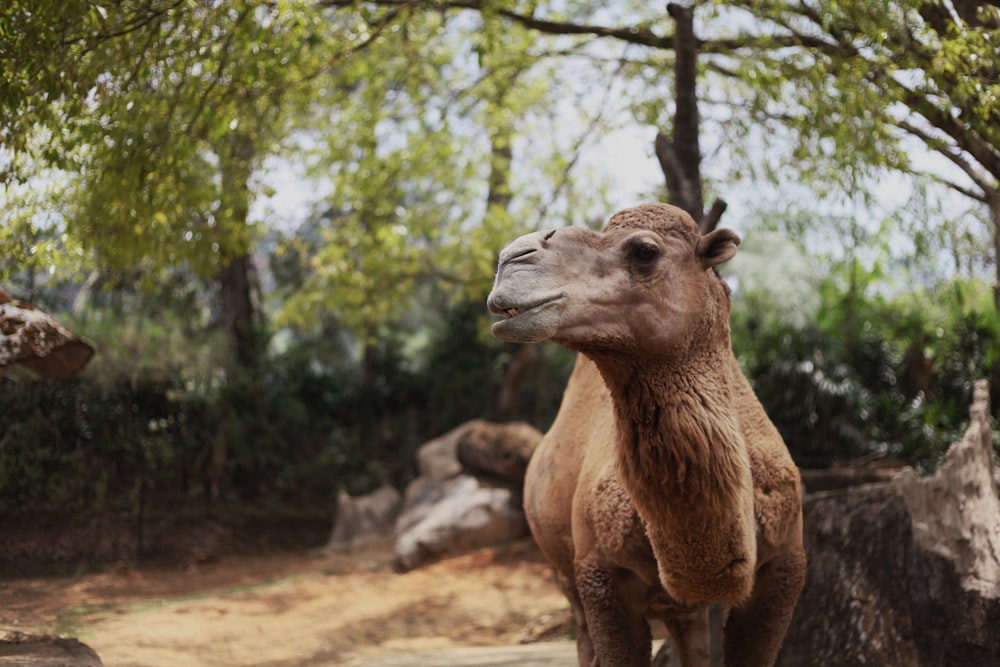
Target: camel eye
645	252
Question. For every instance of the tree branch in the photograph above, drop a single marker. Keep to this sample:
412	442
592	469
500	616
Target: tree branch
841	46
636	35
632	35
711	219
964	136
955	158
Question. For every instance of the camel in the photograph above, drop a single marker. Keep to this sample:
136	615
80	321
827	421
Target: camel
662	486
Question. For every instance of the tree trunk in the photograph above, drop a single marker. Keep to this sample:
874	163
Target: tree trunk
501	155
995	219
237	277
238	312
680	155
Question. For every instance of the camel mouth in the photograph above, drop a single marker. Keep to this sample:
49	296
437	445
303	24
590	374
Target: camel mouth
510	312
526	322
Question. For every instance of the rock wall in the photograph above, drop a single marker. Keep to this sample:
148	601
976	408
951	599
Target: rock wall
906	572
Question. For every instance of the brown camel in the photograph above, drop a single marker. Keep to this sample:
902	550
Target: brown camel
662	487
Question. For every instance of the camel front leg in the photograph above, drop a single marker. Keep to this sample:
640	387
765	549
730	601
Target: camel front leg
613	602
692	639
755	630
584	647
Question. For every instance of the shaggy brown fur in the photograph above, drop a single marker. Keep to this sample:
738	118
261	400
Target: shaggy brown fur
662	486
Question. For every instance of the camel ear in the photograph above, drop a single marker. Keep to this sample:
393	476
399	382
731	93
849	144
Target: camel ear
717	247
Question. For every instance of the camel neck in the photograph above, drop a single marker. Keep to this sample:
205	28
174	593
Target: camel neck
679	445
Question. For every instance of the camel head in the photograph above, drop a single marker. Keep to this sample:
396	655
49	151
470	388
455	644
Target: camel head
646	284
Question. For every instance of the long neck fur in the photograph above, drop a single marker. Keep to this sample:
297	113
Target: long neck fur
682	459
679	445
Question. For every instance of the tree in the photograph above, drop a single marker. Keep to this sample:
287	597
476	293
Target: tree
420	153
205	96
680	156
858	88
394	162
860	83
162	127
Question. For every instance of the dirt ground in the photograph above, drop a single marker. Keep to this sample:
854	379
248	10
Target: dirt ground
295	609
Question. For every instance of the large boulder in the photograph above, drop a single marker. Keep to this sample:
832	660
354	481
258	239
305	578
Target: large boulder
906	571
364	519
479	448
35	340
500	450
468	494
457	515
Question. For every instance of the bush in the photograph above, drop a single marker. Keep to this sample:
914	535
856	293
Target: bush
79	445
313	422
872	379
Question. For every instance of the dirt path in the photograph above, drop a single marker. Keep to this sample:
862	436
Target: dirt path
549	654
292	610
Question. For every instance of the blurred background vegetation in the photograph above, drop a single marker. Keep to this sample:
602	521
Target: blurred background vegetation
278	221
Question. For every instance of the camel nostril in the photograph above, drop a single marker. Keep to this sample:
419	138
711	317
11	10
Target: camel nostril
550	235
516	256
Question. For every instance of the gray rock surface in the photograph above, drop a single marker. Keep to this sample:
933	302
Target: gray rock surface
365	518
461	514
907	571
22	650
467	495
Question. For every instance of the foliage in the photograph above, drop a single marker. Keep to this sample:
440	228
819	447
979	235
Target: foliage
162	109
314	423
406	151
861	84
893	379
79	446
50	63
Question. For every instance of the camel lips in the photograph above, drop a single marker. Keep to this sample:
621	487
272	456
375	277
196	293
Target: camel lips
513	311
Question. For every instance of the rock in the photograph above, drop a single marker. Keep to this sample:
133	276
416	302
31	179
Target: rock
35	340
422	494
457	515
480	448
438	458
956	513
468	494
830	479
502	450
364	518
906	571
21	650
